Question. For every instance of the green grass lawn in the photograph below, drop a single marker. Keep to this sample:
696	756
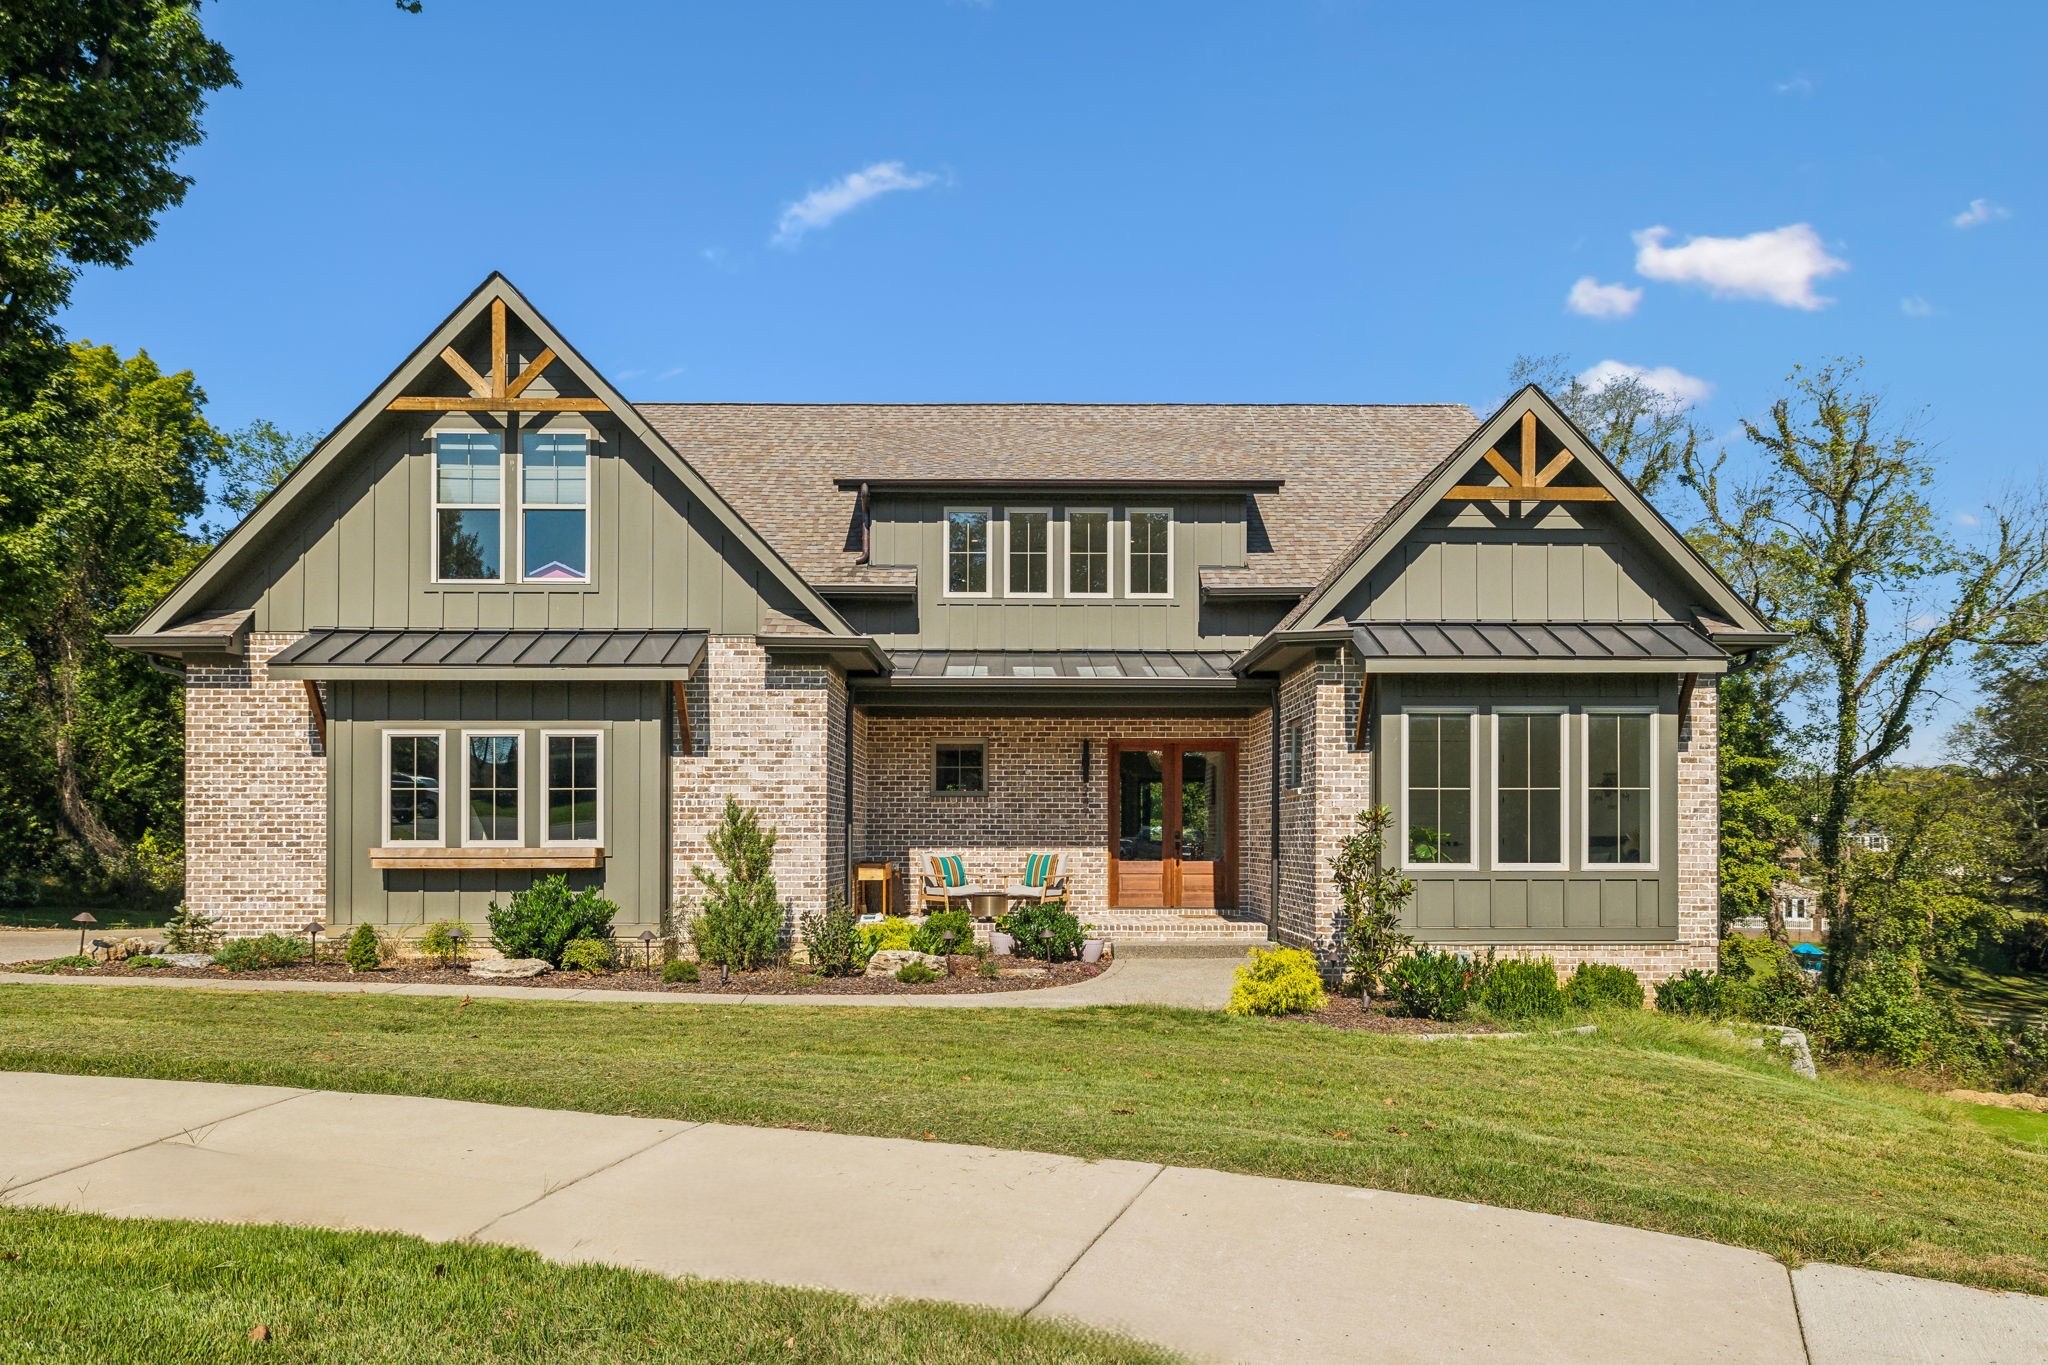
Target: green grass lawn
1998	994
80	1288
1651	1122
2017	1125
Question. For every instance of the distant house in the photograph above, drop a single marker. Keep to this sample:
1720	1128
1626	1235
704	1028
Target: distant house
503	622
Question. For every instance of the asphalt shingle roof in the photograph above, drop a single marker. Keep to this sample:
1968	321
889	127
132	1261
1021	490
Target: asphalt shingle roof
1343	466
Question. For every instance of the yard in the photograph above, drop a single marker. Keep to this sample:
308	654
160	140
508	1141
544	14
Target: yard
80	1288
1650	1122
1998	995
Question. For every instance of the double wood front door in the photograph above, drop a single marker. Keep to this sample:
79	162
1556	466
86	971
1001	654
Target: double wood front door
1173	823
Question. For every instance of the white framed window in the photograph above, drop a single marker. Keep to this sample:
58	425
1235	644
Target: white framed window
1621	788
469	507
1528	788
1088	554
412	787
960	767
967	551
1148	552
573	786
1439	772
1027	544
554	507
493	784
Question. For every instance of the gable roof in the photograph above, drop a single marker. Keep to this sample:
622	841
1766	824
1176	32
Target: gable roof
783	465
1393	525
495	288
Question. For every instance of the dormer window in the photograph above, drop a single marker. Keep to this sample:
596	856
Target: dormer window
1087	553
967	552
554	507
469	508
1030	542
1149	571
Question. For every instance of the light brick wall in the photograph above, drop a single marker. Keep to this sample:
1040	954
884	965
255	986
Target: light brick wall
255	794
1317	815
771	736
1037	801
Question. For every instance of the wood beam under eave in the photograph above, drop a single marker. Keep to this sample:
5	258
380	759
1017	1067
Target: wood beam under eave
478	385
531	372
1528	447
1505	493
487	404
319	710
499	363
682	696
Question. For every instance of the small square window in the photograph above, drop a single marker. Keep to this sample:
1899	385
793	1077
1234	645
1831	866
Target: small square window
960	768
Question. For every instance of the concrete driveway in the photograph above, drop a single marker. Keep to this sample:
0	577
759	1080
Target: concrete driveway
30	945
1223	1267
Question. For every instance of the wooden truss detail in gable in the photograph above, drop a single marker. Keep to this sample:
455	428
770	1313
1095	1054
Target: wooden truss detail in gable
496	392
1528	483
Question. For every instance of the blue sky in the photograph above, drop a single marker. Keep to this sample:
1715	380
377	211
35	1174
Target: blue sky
1284	201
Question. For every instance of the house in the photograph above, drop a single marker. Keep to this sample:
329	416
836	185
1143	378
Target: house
503	623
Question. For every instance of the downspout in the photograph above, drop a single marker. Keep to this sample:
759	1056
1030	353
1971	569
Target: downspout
1273	823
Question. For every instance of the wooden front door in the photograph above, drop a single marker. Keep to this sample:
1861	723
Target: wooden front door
1173	824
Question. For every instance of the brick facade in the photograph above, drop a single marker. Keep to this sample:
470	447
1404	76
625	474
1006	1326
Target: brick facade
1037	800
255	794
773	737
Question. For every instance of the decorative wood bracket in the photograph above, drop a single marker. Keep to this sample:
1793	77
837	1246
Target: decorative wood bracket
318	708
1361	728
495	392
1528	483
685	741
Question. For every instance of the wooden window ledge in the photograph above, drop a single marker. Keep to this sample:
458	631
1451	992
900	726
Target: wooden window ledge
425	859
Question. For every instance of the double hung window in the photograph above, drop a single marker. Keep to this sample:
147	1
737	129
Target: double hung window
469	507
1439	804
554	507
1088	553
967	552
1529	789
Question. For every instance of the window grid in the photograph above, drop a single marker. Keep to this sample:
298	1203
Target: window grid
967	551
412	787
1149	551
1029	532
491	788
574	779
1619	776
1438	757
1088	552
1528	789
469	510
960	768
554	507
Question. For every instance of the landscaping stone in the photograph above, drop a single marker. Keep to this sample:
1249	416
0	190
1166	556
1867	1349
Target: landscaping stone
189	959
890	961
509	968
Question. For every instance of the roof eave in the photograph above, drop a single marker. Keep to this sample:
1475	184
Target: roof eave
853	653
1281	649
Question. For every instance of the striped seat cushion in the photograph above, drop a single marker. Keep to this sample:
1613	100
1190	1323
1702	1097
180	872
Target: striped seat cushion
1038	868
952	870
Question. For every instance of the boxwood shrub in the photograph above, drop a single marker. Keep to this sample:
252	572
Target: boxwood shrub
546	917
1596	986
1428	984
1522	988
260	953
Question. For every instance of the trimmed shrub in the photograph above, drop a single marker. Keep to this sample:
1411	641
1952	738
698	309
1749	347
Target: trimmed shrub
1432	985
364	952
832	940
1693	993
893	932
260	953
740	925
679	970
1276	981
188	931
917	972
1522	988
587	955
442	941
547	917
1596	986
943	932
1044	929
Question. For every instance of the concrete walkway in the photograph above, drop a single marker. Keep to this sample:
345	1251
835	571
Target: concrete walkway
1225	1267
1191	982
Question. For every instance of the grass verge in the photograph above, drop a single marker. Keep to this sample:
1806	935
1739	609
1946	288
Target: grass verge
74	1287
1651	1122
1997	995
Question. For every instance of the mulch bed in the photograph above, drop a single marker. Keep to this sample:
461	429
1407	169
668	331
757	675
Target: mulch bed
1018	976
1347	1012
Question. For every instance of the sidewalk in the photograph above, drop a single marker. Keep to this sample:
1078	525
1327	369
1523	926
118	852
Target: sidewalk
1189	982
1219	1266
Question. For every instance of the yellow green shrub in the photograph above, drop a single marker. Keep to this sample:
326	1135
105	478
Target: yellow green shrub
1277	981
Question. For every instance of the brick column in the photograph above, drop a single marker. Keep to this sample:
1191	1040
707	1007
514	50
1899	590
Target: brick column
255	794
1319	814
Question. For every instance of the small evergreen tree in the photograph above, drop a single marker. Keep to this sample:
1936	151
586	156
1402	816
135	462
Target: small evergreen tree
741	922
189	931
1373	894
363	952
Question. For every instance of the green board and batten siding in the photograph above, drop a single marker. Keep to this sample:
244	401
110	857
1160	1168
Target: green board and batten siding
631	717
1617	903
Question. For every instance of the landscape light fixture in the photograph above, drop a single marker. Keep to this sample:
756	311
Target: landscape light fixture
84	920
312	933
647	948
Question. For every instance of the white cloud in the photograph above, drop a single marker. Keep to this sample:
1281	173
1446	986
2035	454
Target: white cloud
1801	86
821	207
1980	212
1968	519
1675	384
1780	265
671	372
1592	299
1913	306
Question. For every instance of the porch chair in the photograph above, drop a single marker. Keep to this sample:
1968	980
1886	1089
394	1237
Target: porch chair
1042	881
945	880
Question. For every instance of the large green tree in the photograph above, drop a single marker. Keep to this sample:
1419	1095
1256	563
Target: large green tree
2006	742
97	99
1832	537
1759	813
1644	432
118	475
